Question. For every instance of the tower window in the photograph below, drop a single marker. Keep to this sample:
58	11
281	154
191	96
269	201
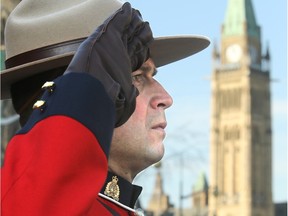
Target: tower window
230	99
231	133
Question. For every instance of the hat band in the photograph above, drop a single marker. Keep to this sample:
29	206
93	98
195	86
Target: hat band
43	52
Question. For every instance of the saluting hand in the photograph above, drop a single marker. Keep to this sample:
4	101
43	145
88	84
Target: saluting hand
111	53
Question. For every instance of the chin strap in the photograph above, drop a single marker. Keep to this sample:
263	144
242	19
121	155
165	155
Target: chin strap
137	212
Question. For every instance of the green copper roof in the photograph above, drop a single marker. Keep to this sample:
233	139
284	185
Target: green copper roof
201	183
239	13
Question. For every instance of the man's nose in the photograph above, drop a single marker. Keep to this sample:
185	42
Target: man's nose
162	98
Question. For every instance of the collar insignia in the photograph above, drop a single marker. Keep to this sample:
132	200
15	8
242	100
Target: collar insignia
112	189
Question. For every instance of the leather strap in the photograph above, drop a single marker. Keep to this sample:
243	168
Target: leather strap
44	52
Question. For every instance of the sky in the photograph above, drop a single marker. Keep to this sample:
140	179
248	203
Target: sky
187	81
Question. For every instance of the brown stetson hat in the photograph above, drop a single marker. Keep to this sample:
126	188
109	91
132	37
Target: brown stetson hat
44	34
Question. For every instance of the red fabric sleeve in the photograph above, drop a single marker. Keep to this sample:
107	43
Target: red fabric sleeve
57	163
55	173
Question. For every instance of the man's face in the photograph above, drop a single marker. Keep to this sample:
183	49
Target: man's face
138	143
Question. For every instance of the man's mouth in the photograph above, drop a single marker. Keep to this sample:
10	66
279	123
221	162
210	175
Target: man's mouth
161	126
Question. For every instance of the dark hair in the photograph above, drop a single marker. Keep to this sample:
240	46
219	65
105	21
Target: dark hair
27	91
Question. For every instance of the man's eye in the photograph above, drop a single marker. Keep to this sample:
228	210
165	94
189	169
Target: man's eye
138	78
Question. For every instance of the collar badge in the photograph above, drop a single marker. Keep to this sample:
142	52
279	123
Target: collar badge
112	189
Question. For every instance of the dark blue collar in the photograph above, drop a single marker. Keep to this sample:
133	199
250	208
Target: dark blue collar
121	190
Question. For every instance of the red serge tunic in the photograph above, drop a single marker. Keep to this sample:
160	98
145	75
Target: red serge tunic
57	163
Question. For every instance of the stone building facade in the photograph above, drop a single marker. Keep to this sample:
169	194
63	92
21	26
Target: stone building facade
241	134
9	119
159	204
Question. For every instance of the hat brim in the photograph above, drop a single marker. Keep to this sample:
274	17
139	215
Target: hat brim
164	50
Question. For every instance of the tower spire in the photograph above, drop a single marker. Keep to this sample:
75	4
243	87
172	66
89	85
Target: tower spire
240	19
241	138
159	202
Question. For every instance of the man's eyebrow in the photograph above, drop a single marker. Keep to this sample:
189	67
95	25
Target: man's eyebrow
148	69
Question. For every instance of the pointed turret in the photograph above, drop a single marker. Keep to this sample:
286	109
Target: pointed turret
215	52
201	184
159	203
200	196
267	56
266	60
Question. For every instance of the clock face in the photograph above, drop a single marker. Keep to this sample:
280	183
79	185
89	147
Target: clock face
234	53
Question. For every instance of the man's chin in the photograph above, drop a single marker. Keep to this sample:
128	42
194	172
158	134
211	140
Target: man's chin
160	154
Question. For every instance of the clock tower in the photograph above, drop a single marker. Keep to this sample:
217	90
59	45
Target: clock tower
241	134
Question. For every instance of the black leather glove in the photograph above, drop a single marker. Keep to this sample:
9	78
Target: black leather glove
117	48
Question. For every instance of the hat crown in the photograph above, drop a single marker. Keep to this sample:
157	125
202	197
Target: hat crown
41	35
36	24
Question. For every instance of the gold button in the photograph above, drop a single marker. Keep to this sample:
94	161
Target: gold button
39	105
50	85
